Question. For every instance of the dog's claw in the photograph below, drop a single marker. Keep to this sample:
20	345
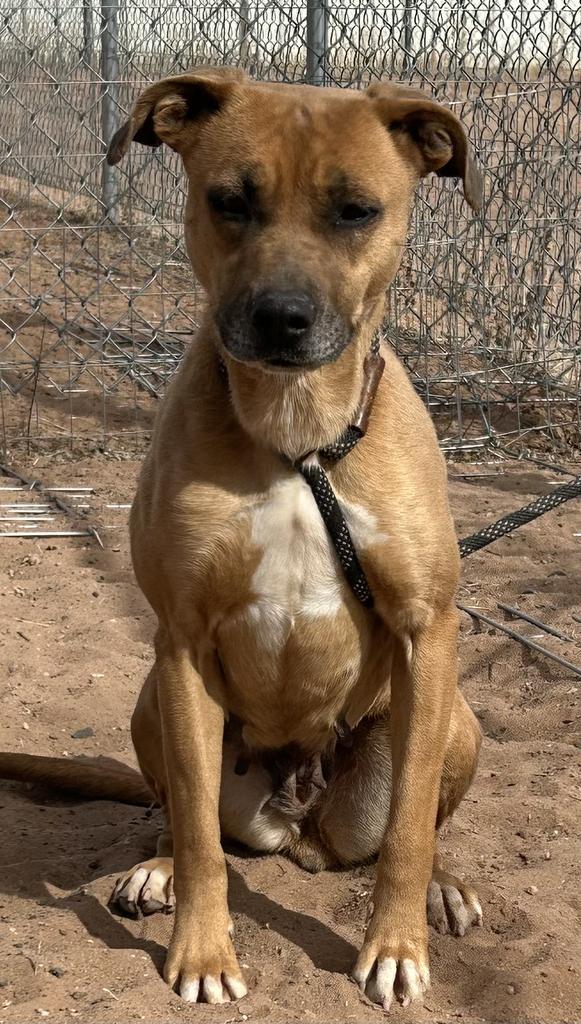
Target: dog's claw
146	889
219	981
154	907
387	976
452	905
128	907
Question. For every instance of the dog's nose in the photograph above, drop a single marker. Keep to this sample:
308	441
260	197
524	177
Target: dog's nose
281	318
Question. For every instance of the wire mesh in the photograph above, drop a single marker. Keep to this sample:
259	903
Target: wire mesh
97	299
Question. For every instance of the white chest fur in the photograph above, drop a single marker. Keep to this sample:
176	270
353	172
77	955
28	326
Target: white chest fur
299	573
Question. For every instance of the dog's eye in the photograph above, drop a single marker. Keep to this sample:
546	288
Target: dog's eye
355	215
230	206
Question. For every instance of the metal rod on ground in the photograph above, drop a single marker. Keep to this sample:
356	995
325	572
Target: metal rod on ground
316	41
531	644
27	520
534	622
553	466
474	476
36	485
47	533
109	99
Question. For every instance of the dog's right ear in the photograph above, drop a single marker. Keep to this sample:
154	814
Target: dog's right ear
169	110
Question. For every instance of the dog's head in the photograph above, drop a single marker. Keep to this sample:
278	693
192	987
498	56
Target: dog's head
298	200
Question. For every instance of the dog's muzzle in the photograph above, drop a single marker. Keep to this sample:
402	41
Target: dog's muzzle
283	328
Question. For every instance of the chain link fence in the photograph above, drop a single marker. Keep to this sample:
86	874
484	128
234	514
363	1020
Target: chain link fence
96	297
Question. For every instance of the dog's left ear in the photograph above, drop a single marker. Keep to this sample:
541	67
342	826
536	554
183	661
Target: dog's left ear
431	135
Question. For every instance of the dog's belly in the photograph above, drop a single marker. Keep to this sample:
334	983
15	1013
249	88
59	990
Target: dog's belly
295	651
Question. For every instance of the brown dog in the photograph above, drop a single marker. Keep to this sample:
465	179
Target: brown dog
296	218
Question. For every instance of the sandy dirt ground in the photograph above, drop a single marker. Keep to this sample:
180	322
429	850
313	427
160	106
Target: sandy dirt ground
75	639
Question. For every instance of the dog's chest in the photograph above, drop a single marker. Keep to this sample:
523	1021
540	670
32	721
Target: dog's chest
294	648
296	575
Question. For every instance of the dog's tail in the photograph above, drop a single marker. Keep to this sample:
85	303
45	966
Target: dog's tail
98	779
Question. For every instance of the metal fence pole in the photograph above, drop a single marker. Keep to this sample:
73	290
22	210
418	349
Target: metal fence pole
316	41
243	29
88	35
408	38
109	98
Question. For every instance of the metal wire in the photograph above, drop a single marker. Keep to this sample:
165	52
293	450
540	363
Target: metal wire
96	297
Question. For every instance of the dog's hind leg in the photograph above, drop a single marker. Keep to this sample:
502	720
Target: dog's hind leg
348	823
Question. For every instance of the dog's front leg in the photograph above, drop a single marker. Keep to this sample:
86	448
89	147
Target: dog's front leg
394	957
201	960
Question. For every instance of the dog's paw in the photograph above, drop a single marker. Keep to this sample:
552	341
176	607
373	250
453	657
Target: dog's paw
205	972
387	967
452	905
146	889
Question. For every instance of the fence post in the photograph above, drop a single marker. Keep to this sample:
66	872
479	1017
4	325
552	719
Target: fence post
88	37
109	95
243	28
408	38
316	41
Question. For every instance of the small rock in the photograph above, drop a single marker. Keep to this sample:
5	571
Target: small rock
57	972
83	734
511	989
532	890
31	560
43	1013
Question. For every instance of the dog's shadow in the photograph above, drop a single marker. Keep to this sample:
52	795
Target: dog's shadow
326	950
72	845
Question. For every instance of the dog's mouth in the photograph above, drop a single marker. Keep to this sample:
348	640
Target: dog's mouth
289	365
276	367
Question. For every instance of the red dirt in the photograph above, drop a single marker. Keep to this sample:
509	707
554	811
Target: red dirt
76	643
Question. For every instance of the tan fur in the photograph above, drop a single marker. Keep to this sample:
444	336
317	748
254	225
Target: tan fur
255	617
